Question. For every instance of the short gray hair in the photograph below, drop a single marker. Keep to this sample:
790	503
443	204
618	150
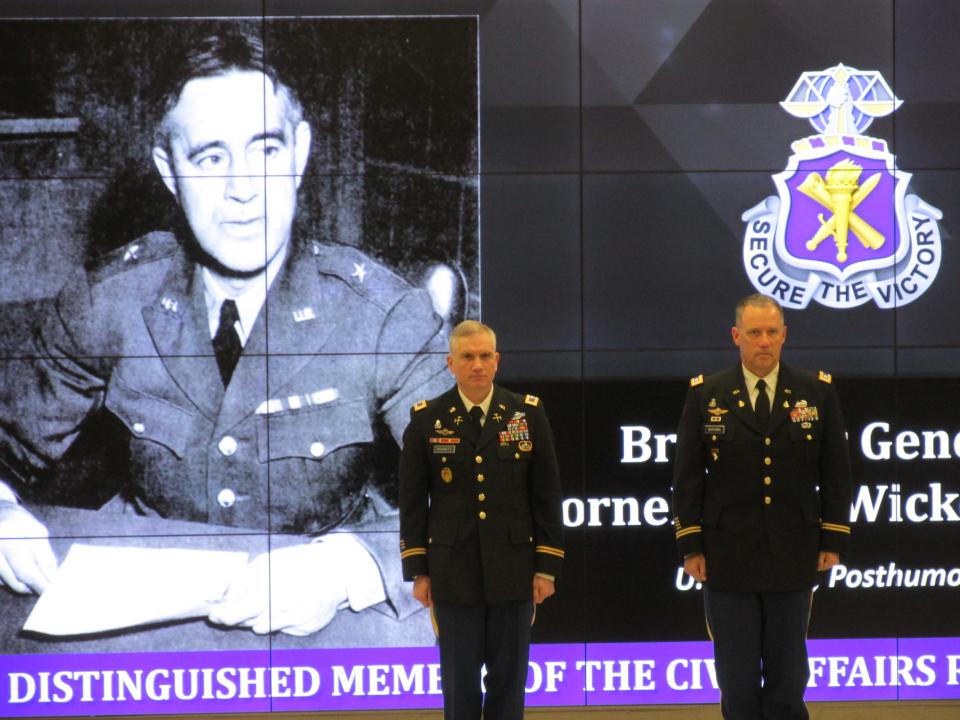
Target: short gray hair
755	300
468	328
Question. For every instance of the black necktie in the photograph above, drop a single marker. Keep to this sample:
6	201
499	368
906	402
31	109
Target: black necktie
476	414
226	343
762	408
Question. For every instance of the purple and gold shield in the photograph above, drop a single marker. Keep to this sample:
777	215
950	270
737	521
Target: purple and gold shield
841	206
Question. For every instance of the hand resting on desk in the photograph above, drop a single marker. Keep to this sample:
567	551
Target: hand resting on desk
298	590
27	562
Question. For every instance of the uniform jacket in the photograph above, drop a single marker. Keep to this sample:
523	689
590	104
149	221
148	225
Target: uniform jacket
480	515
761	505
340	349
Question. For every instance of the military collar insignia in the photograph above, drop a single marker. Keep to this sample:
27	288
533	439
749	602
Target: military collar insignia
304	314
170	305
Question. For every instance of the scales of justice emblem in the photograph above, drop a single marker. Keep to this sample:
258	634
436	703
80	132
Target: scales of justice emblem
842	229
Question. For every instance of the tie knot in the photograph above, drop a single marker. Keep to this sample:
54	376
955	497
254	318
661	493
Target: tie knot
229	313
476	412
761	385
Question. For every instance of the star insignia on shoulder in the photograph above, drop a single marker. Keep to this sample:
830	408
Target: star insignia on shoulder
532	400
825	377
419	405
359	272
698	380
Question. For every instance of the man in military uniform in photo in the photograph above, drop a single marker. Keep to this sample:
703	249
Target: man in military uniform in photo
255	373
480	526
761	494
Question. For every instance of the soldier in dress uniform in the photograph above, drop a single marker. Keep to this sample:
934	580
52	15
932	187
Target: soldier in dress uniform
257	374
480	526
761	494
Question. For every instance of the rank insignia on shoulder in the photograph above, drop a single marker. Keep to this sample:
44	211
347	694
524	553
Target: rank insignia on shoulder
698	380
825	377
419	405
532	400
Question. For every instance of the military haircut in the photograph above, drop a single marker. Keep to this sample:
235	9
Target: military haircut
755	300
471	327
233	50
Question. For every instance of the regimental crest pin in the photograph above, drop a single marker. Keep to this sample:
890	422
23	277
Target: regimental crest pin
842	229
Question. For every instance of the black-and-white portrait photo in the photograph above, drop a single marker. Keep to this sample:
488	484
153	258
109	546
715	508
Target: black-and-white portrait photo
232	250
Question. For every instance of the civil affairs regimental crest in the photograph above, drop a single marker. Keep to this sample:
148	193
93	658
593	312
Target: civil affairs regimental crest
842	229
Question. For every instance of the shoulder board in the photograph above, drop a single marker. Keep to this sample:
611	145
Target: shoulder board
419	405
360	272
698	380
825	377
532	400
151	246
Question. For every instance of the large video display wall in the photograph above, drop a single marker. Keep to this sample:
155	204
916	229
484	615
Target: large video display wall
600	181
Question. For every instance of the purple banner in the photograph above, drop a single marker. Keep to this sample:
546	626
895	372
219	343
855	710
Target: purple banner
385	678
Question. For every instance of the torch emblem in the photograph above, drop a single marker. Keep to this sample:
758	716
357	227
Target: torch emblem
842	229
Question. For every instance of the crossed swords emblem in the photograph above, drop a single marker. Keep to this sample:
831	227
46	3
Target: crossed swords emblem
841	193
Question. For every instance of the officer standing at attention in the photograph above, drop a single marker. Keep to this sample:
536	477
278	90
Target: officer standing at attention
761	495
255	372
480	526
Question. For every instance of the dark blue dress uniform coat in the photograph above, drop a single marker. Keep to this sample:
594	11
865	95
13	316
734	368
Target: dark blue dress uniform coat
480	514
340	349
761	505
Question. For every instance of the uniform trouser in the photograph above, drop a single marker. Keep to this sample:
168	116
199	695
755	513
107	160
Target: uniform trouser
760	648
470	636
